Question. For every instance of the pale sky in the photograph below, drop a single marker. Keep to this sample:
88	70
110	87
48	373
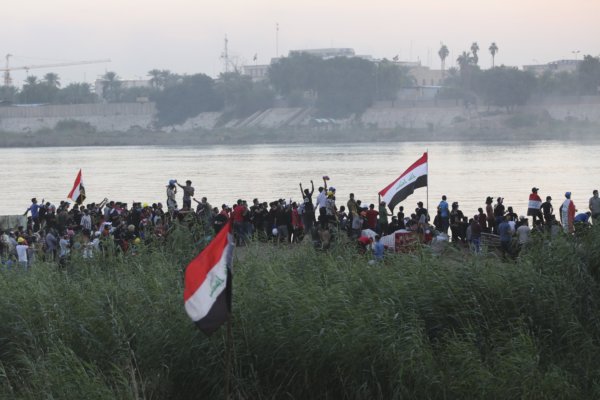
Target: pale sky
187	36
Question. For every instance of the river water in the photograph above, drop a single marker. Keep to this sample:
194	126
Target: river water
465	172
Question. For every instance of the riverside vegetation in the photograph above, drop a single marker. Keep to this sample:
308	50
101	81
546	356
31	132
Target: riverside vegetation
309	325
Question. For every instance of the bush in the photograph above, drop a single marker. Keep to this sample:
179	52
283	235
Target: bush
73	125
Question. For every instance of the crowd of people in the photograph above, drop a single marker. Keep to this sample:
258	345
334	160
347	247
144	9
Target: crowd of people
53	232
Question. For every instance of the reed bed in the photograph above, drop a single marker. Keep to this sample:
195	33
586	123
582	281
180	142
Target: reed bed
309	325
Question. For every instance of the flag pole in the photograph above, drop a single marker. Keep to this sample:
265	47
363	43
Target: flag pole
427	216
228	346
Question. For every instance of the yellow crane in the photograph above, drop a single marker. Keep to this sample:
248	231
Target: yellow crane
8	68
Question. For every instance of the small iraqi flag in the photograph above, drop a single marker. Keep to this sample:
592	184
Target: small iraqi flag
207	292
77	194
414	177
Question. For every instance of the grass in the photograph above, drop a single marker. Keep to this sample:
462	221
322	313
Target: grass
309	325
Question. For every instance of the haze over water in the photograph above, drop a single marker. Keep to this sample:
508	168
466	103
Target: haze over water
465	172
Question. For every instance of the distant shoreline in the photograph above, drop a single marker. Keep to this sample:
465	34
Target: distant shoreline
51	138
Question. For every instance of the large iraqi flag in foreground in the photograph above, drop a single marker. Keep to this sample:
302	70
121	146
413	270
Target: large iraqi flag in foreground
413	178
207	292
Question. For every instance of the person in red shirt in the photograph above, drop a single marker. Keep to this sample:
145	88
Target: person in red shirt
297	226
363	244
239	211
372	215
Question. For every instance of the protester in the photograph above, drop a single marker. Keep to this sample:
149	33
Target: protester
595	207
188	193
567	213
535	205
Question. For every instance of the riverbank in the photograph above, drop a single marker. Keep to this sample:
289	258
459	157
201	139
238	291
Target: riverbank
516	128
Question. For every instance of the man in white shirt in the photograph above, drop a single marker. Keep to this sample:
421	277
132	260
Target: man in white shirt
22	252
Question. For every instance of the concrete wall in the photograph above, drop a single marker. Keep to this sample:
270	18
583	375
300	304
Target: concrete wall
127	116
110	117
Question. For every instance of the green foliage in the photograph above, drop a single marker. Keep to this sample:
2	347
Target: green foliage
390	78
343	86
309	325
38	92
588	75
186	99
522	120
243	97
76	93
75	126
505	87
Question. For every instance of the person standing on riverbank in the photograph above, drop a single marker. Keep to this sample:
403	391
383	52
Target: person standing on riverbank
595	207
171	193
567	213
444	215
34	208
534	206
188	193
547	210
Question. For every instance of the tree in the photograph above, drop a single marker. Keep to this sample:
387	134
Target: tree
298	72
505	87
588	75
186	99
241	96
475	50
390	77
110	86
76	93
155	78
464	61
52	79
493	50
8	94
36	92
443	53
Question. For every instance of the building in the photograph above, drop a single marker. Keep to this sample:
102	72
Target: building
256	72
326	53
554	67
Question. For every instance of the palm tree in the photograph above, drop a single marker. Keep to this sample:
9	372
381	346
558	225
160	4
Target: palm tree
110	85
474	50
464	61
443	53
31	80
52	79
155	78
493	50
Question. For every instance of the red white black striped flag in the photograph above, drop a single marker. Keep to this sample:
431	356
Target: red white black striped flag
77	194
207	292
414	177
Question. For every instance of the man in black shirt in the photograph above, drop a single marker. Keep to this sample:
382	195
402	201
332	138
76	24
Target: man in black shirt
547	210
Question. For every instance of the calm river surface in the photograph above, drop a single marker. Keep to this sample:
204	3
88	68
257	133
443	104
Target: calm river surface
465	172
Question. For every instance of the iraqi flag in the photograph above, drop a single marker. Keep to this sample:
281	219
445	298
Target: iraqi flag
207	292
77	194
413	178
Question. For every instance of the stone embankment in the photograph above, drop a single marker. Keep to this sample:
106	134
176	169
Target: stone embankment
140	116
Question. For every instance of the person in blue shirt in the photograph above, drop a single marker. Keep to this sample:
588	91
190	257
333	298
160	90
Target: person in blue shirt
34	208
505	231
378	248
583	218
444	215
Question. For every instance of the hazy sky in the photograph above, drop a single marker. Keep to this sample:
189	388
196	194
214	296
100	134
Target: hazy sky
186	36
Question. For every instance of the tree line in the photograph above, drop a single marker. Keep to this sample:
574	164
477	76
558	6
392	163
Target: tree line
337	87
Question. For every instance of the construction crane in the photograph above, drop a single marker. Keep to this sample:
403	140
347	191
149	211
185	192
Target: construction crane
8	68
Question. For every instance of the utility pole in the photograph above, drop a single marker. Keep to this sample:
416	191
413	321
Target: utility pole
225	55
277	40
